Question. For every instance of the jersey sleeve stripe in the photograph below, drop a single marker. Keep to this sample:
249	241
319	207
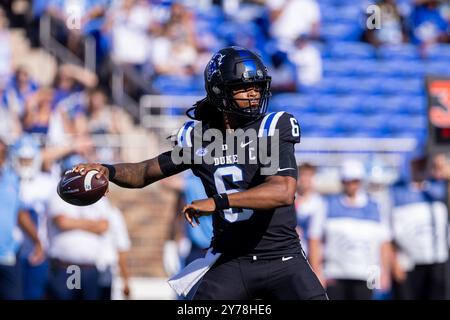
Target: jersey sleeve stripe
274	122
183	137
262	128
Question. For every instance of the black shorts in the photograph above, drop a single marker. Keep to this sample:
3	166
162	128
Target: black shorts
242	278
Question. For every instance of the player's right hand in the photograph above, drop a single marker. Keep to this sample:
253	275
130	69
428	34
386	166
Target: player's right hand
85	167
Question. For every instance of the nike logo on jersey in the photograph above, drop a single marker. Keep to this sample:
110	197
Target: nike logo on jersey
284	169
286	258
243	145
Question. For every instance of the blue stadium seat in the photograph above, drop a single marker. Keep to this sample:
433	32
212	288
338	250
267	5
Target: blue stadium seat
399	52
406	125
291	102
352	50
372	104
341	32
355	85
177	85
439	52
337	68
398	69
439	68
340	14
393	86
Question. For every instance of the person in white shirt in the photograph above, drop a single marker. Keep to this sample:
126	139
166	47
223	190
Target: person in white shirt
75	243
291	18
353	259
306	57
36	189
112	260
420	232
309	205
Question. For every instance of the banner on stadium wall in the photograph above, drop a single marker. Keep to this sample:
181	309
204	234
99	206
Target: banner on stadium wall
438	100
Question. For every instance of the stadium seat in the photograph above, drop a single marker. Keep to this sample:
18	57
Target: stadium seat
352	50
439	52
399	52
341	32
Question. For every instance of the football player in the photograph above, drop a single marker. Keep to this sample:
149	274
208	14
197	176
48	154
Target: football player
251	199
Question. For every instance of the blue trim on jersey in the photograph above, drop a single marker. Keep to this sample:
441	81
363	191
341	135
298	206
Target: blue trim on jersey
182	141
336	209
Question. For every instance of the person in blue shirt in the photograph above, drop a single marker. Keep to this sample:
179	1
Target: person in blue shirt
420	232
427	23
200	237
10	281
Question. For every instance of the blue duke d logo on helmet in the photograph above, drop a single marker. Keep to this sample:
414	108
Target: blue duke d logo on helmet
214	65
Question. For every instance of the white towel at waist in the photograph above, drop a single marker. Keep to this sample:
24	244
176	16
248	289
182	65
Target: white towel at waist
184	280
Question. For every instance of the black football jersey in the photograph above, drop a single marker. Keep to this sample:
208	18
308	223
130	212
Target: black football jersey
241	161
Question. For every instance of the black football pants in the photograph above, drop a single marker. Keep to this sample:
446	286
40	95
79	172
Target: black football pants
242	278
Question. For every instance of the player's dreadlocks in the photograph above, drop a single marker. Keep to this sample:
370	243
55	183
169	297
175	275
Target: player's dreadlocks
203	110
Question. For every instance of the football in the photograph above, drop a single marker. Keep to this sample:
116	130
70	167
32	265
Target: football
82	190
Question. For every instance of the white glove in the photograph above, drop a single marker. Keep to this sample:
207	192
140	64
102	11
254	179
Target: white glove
171	258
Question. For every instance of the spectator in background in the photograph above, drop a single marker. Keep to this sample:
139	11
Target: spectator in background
419	223
197	240
76	18
38	112
393	30
75	238
379	181
68	101
175	50
10	280
427	23
292	18
5	49
99	117
18	90
36	189
354	239
283	73
306	57
9	198
112	260
130	23
309	205
10	125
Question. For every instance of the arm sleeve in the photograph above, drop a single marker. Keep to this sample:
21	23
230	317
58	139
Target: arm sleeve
183	145
168	166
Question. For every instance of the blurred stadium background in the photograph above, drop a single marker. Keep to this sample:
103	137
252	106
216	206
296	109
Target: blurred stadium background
110	80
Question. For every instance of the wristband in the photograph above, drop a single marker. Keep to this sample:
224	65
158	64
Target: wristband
221	201
111	170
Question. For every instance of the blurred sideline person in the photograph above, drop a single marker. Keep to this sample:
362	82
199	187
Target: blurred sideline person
10	277
380	179
310	207
75	243
420	231
194	241
36	189
112	261
354	240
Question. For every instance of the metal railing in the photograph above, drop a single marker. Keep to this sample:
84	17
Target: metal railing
61	52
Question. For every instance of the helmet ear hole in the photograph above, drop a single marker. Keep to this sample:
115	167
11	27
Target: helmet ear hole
216	90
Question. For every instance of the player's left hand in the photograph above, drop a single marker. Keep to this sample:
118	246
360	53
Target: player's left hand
197	209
